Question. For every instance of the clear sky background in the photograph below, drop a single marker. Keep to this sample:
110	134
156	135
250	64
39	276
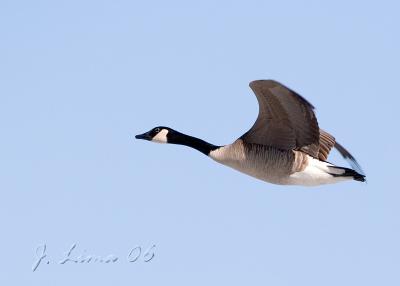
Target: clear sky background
78	79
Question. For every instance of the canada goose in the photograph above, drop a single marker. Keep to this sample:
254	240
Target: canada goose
285	146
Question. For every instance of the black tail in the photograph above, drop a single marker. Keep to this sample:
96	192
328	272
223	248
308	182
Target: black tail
346	172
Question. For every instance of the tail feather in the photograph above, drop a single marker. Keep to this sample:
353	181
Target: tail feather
346	172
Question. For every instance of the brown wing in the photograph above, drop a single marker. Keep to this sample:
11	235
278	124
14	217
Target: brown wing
327	142
285	119
322	148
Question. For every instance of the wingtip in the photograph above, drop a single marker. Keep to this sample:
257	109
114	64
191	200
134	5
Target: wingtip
349	158
263	82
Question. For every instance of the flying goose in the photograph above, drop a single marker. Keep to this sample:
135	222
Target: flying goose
285	145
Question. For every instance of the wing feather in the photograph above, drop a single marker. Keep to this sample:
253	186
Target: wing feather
285	119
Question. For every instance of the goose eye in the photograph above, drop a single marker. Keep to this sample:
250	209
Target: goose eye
157	130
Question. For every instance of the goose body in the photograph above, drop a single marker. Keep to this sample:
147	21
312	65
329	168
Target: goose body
277	166
285	146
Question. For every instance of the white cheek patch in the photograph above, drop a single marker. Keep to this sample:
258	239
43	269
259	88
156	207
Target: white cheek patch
161	136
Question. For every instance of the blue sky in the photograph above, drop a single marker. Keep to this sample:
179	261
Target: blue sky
78	79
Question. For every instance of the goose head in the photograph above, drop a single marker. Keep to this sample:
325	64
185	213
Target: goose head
158	134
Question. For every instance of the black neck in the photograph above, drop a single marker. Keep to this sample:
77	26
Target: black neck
193	142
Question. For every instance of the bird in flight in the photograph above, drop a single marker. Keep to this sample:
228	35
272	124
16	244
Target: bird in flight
285	145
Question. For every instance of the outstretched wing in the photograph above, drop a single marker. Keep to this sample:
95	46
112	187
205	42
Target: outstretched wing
322	147
285	119
326	143
349	158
